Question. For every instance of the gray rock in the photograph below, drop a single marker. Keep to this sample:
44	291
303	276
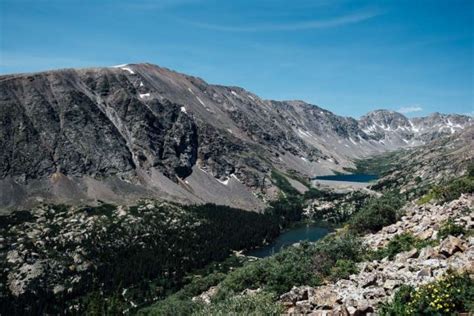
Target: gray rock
324	297
391	284
451	245
404	256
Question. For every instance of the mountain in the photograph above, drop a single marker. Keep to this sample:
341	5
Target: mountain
395	130
122	133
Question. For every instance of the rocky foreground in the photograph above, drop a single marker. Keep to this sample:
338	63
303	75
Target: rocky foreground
378	280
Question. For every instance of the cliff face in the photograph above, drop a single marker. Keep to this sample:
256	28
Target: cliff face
131	131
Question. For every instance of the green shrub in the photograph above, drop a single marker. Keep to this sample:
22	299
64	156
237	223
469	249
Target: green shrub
173	306
290	267
397	244
470	170
448	296
313	194
343	269
458	186
450	190
286	209
254	304
450	228
328	251
377	214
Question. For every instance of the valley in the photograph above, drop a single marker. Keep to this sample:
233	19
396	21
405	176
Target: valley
139	190
172	136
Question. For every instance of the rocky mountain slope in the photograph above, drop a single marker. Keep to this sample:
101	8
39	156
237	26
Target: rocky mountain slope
378	280
121	133
434	162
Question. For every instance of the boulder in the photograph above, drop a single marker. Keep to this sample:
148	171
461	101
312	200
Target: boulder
367	280
303	307
424	235
391	284
324	297
451	245
424	273
372	293
391	229
429	253
206	296
296	294
404	256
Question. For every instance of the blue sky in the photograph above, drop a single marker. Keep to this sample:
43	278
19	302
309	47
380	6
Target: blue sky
347	56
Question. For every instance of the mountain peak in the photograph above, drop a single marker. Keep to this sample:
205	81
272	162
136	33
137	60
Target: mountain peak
134	130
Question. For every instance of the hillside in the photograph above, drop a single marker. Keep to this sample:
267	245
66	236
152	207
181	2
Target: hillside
106	174
135	131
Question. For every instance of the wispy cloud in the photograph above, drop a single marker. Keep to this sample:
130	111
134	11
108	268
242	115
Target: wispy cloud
410	109
306	25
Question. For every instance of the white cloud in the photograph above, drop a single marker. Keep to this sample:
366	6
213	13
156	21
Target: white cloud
410	109
313	24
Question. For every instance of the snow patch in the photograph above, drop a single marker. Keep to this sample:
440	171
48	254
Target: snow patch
141	84
234	93
183	109
224	182
235	177
303	133
200	101
144	95
304	159
189	89
413	128
251	98
352	141
230	131
128	69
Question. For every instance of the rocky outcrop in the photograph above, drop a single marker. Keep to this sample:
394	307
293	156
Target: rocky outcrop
429	164
127	128
378	280
394	129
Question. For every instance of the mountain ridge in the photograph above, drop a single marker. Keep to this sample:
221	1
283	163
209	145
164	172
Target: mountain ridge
138	130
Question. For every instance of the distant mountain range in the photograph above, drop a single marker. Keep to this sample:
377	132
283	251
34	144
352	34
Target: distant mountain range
121	133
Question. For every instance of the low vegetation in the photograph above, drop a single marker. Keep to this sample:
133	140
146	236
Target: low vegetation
150	249
377	213
450	295
379	165
397	244
449	190
450	228
253	304
332	258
